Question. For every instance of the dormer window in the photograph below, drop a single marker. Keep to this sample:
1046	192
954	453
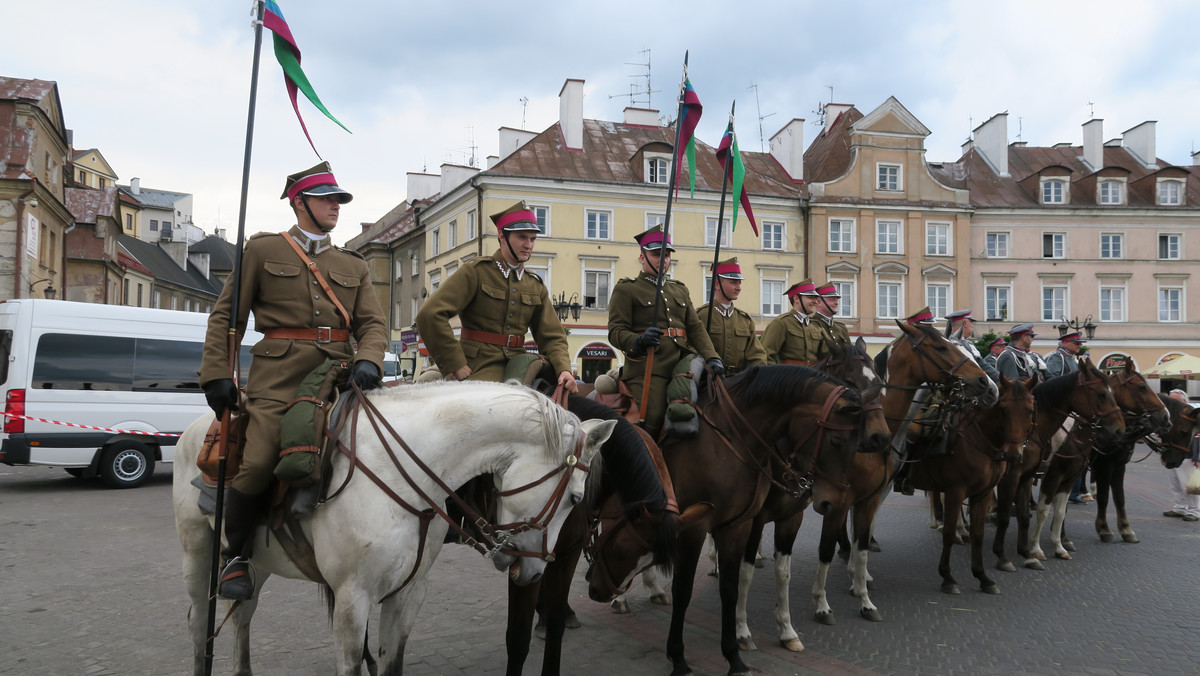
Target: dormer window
889	177
1170	192
1112	192
1054	191
656	167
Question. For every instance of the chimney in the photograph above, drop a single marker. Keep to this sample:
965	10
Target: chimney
492	161
1196	158
642	117
135	185
967	145
219	232
454	175
421	186
833	111
1140	142
570	114
511	140
787	147
991	138
1093	144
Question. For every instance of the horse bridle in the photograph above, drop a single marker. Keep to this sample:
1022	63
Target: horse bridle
922	357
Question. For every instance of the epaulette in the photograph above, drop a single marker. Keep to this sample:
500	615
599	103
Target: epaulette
533	274
265	234
626	280
743	313
352	252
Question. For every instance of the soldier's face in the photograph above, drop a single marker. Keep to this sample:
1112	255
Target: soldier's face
729	289
810	303
968	328
997	349
651	258
1072	347
832	304
325	210
520	244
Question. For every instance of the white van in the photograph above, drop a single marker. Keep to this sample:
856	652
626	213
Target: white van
120	369
391	368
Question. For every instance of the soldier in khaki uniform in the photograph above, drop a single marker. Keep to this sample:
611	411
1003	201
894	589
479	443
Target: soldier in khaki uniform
302	327
791	338
630	327
826	309
498	301
731	329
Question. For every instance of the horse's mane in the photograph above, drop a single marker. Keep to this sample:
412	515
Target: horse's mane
881	361
624	456
783	381
1174	406
1053	391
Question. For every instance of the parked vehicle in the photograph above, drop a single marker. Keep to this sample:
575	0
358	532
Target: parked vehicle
130	372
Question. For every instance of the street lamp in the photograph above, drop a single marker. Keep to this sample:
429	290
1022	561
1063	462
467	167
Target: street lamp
49	292
564	306
1074	324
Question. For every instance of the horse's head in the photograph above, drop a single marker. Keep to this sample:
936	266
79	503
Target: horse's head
824	436
539	487
852	365
1086	394
1017	408
1185	423
1144	411
926	356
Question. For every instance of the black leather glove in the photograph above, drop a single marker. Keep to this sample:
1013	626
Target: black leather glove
365	375
221	394
716	365
649	338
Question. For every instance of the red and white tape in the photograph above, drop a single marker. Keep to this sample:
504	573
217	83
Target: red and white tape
90	427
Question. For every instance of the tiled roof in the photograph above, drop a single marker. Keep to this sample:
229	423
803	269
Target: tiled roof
164	268
162	199
394	224
829	154
220	253
16	143
86	204
16	89
125	260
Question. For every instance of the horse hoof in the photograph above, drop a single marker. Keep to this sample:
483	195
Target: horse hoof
758	563
792	645
873	546
959	541
1062	556
660	599
540	631
826	619
870	614
619	606
1130	538
1040	556
1068	545
572	622
1034	564
1106	538
991	588
1006	566
951	588
713	572
746	644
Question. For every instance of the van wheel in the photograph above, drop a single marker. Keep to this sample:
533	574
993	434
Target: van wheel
126	464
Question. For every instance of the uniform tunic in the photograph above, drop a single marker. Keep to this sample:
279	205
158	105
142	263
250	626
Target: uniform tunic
988	367
630	312
282	293
733	337
489	296
790	338
836	330
1060	361
1017	363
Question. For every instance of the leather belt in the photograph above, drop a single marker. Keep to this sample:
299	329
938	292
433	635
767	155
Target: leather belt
676	333
321	334
513	341
800	362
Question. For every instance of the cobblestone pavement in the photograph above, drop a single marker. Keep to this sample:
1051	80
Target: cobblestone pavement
90	584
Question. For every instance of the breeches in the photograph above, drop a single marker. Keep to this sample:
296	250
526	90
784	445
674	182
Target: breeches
260	451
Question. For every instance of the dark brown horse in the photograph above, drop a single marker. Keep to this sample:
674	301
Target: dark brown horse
1086	399
979	447
852	365
790	412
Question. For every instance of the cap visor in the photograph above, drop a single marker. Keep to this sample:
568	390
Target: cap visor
323	190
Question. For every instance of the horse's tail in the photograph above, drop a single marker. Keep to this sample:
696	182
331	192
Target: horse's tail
666	553
327	598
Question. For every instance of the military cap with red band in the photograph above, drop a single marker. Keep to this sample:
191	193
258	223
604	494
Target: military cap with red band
654	239
730	269
316	182
516	218
922	316
804	287
828	290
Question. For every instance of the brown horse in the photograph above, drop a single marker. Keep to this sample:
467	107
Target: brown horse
979	447
852	365
1145	413
920	355
1083	396
793	413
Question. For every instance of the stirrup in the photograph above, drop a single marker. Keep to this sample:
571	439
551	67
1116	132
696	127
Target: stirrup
237	580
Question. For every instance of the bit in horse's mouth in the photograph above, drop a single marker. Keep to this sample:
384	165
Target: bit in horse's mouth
514	571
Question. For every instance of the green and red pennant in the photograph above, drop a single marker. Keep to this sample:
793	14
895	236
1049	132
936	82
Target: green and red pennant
736	171
288	55
688	119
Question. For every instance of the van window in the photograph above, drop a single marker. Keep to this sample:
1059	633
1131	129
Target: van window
6	338
112	363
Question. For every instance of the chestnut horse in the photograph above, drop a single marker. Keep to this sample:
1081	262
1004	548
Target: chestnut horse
980	446
1083	396
852	365
792	413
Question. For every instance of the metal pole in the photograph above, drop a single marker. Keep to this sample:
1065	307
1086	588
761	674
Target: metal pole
235	279
725	171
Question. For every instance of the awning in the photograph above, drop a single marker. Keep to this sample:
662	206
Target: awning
597	351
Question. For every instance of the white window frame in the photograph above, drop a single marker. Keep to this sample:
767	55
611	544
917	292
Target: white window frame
1106	311
608	218
767	226
435	280
886	180
1060	254
415	307
848	289
948	244
541	270
1109	238
653	219
770	289
850	241
1166	317
596	268
648	163
899	223
472	224
1115	193
995	241
452	234
939	309
1178	246
1046	187
399	268
412	258
1172	196
435	241
710	232
1054	315
889	313
542	212
1003	307
451	268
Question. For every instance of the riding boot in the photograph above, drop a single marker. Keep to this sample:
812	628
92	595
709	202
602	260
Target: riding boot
241	517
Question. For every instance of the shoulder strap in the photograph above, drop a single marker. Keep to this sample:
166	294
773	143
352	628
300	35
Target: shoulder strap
312	267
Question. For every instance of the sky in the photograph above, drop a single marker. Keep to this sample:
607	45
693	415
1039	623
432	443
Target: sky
162	88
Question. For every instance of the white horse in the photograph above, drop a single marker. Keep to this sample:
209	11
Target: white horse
366	545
